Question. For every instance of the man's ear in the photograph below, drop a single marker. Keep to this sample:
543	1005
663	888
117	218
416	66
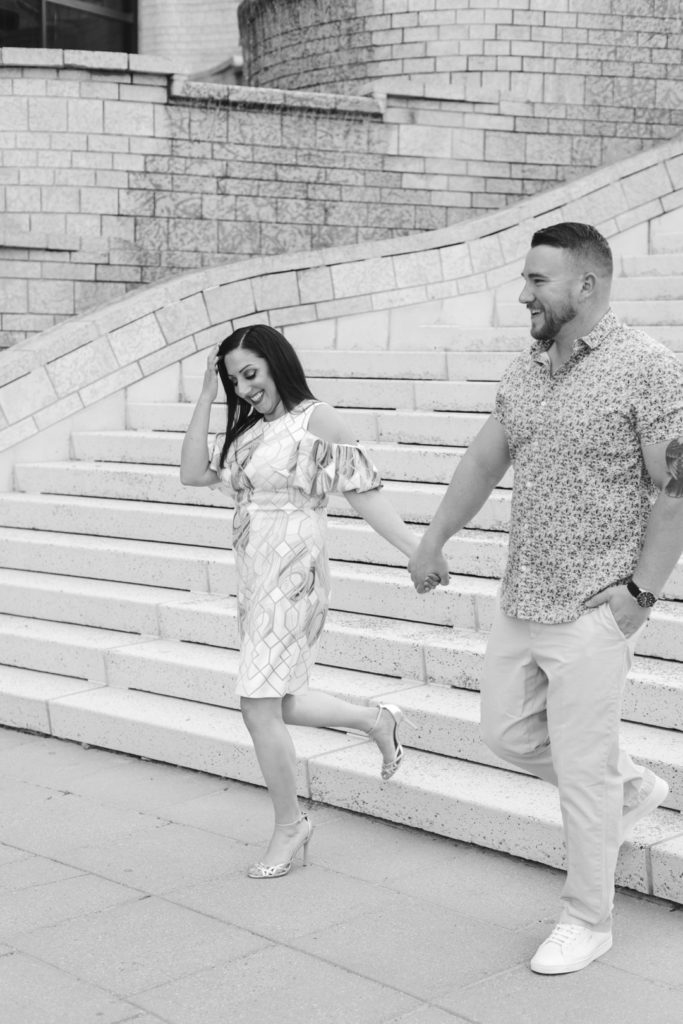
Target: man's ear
588	284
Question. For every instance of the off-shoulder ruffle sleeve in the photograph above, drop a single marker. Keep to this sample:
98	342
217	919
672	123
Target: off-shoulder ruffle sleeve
323	467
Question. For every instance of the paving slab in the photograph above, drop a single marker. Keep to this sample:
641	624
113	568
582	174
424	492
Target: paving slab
48	903
52	822
396	947
38	993
603	995
277	985
313	899
161	859
137	946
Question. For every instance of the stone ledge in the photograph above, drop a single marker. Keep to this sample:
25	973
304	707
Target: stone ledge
39	240
189	90
94	60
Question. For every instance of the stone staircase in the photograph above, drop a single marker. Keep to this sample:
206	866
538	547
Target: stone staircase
118	627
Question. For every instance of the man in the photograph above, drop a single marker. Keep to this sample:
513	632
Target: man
592	421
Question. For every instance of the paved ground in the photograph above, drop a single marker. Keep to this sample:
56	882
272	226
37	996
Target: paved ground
124	898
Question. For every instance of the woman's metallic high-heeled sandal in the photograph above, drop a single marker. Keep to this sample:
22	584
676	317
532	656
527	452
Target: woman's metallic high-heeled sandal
389	768
261	870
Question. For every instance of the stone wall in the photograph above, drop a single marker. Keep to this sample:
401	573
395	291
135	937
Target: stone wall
608	69
374	296
191	40
115	174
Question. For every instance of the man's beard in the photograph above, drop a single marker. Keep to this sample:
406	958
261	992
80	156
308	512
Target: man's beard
552	322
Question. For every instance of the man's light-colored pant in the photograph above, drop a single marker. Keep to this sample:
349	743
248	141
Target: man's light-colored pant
551	704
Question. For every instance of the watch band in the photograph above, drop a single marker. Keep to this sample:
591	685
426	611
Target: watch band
643	597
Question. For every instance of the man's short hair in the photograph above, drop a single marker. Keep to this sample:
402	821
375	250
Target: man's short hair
583	240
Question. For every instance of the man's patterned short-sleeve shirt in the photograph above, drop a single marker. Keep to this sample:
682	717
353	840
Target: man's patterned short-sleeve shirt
581	496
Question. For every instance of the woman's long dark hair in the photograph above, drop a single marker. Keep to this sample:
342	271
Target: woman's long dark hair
285	368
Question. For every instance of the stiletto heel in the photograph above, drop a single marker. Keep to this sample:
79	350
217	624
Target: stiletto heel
261	870
389	768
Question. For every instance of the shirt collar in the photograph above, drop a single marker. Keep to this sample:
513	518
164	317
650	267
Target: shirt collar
602	330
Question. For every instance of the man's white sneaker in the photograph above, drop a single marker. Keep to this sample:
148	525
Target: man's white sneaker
656	796
569	947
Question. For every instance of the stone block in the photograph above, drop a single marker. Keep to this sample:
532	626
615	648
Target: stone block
100	201
58	411
417	268
229	301
126	119
272	291
47	114
27	395
96	60
51	296
85	115
351	279
136	339
417	140
13	114
110	384
193	235
14	296
82	366
183	318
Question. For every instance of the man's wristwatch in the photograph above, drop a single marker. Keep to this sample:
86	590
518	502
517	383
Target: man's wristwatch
643	597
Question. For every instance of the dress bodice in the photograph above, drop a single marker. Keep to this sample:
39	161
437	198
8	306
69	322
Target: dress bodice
280	465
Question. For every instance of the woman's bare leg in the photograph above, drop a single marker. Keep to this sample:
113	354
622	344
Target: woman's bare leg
314	708
277	760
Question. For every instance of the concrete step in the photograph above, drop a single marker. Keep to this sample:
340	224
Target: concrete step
472	803
345	393
653	265
455	337
375	364
414	502
472	553
64	649
479	365
368	426
492	808
433	464
25	696
667	242
648	288
648	315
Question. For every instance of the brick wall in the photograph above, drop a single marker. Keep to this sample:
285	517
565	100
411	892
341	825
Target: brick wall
602	69
193	41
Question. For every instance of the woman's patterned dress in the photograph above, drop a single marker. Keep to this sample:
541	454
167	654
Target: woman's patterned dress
281	476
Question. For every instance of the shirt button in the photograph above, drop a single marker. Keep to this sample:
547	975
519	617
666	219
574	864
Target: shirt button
524	568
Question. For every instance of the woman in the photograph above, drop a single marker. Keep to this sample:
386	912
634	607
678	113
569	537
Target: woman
283	452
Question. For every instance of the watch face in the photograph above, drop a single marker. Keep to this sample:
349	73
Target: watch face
645	600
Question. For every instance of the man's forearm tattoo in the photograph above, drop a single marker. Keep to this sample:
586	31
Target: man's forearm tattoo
674	466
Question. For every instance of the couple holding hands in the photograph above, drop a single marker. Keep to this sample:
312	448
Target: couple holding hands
591	420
